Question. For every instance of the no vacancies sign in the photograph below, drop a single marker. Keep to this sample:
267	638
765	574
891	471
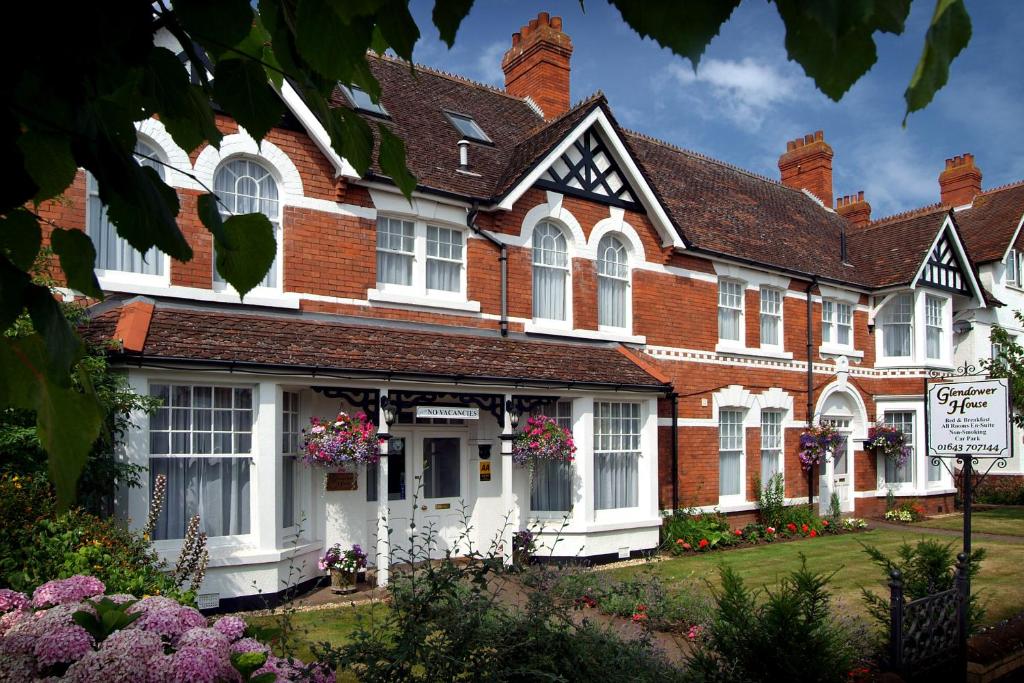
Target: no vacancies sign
969	418
448	413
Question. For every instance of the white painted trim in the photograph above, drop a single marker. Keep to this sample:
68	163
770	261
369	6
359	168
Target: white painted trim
753	279
418	208
728	348
606	334
1013	239
242	144
155	135
838	294
258	297
432	301
625	161
838	350
840	386
315	129
948	225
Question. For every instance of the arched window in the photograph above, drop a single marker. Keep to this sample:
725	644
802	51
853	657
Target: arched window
244	186
550	272
113	252
612	283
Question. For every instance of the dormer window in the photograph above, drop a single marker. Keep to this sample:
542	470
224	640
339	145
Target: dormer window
361	100
468	127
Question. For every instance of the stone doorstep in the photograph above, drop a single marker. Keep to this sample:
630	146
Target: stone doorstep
984	673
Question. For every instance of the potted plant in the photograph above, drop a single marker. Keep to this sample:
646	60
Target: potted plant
341	442
523	546
542	439
344	566
890	442
816	442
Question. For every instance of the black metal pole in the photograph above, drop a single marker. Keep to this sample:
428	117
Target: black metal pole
963	583
968	500
896	621
810	379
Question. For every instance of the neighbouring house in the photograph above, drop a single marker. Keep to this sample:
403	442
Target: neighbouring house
684	318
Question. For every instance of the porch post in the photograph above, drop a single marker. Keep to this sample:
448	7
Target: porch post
266	490
383	534
506	484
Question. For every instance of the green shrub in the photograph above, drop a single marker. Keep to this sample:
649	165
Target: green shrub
999	490
771	500
927	567
799	515
692	528
39	544
789	635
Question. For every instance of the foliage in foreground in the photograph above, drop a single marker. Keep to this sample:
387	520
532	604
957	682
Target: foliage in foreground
927	567
791	634
71	631
38	543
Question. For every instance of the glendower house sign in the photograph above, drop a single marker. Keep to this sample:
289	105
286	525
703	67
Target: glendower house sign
969	418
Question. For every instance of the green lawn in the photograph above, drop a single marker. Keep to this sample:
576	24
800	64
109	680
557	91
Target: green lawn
333	625
998	584
1005	521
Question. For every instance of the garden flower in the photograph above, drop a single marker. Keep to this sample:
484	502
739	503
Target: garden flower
679	541
824	522
232	627
813	533
62	645
687	546
694	632
738	532
639	617
248	645
791	527
770	530
703	543
60	591
803	528
12	600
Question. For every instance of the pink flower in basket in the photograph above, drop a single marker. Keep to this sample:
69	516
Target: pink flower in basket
340	441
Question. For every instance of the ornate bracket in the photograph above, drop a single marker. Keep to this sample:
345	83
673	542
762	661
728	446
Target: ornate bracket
367	400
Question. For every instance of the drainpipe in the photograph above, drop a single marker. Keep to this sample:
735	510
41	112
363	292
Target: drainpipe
810	377
502	259
674	398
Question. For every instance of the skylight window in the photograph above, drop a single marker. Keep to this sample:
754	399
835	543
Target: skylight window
361	100
469	128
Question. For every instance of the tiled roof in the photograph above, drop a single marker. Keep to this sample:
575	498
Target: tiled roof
228	336
988	226
890	251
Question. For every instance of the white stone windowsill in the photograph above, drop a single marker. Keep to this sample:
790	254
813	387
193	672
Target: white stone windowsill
531	327
231	551
423	301
257	297
838	350
734	349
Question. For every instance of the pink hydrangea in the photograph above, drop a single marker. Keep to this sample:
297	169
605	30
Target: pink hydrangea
61	591
232	627
12	600
294	670
205	638
10	619
166	617
17	667
190	665
117	598
248	645
62	645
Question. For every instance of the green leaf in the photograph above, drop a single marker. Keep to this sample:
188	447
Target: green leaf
833	40
14	286
77	260
947	36
686	28
392	160
265	677
399	28
240	86
20	237
215	24
183	107
49	162
331	40
63	346
18	186
448	16
245	245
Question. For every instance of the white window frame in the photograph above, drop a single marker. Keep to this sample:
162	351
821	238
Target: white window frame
916	419
171	545
293	439
417	293
568	322
741	496
935	326
127	277
767	445
1011	266
725	283
628	279
884	326
832	314
277	222
773	292
637	453
561	411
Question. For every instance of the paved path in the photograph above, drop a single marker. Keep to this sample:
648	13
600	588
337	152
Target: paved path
949	533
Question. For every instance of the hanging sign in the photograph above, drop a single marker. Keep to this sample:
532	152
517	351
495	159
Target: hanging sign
969	418
448	413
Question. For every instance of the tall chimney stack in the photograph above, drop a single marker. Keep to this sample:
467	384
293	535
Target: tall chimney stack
537	65
855	209
960	182
807	165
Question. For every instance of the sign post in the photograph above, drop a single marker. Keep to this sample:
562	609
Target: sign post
967	420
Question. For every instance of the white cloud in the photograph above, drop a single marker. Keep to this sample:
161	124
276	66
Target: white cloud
487	67
745	90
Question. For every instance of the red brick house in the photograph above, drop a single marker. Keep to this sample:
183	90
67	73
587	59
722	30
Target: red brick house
684	318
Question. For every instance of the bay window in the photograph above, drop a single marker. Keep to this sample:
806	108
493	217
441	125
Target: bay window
771	317
730	452
836	323
551	488
902	420
616	455
550	272
897	327
244	186
113	252
291	434
934	316
771	444
612	283
200	439
730	311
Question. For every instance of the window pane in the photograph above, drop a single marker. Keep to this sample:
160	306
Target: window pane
730	309
549	293
771	317
552	486
441	468
245	186
216	489
904	421
617	454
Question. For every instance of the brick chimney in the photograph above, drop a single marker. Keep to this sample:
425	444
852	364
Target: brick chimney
854	209
537	64
960	181
807	165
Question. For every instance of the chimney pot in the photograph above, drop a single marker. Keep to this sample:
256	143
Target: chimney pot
543	18
515	38
533	24
537	64
463	154
854	209
860	196
960	182
556	23
807	166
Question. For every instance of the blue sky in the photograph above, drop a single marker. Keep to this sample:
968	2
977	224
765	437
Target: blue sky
746	100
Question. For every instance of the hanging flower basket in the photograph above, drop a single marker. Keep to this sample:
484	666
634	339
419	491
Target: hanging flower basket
816	443
542	439
343	440
890	442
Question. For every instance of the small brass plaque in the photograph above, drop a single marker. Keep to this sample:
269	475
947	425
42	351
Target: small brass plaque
341	481
442	506
485	470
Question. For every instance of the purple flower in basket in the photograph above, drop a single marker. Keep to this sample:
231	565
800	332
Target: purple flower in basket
342	440
542	439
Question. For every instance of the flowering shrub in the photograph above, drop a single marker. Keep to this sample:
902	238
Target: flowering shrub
70	631
349	561
899	515
890	442
543	439
816	443
906	511
523	541
853	523
340	441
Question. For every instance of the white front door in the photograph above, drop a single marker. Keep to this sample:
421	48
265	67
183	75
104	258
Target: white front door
399	505
439	470
840	467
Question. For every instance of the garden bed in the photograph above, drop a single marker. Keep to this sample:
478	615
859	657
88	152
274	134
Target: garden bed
997	651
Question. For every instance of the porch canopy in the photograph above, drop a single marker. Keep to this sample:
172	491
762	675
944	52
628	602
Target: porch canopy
166	334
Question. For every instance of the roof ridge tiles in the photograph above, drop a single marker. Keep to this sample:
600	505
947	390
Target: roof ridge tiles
911	213
701	155
1005	186
447	74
